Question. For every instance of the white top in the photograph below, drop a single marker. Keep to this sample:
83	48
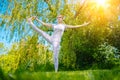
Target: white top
58	32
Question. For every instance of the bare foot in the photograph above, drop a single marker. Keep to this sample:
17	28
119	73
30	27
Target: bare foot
29	19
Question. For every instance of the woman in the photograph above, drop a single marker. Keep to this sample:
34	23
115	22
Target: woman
55	39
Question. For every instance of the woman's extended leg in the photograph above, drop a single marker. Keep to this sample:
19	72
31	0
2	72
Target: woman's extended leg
56	47
44	34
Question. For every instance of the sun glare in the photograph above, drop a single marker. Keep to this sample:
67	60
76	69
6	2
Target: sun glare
100	2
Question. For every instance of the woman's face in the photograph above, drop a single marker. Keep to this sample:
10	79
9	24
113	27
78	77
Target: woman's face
60	19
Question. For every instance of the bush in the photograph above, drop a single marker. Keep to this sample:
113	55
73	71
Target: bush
27	56
107	56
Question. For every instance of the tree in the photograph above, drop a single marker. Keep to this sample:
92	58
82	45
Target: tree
78	45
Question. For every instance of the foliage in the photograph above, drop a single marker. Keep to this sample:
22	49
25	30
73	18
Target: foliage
82	48
3	49
107	56
1	74
115	35
82	44
27	56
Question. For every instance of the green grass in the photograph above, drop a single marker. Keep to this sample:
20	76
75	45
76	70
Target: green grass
70	75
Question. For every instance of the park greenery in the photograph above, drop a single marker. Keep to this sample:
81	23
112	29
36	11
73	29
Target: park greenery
92	47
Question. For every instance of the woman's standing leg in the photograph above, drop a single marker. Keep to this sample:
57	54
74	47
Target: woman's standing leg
56	47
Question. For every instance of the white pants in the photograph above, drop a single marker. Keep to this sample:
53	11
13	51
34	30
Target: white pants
56	44
56	48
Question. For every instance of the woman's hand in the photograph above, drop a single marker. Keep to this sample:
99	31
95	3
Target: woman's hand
86	23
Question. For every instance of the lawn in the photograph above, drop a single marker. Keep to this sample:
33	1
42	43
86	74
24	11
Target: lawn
68	75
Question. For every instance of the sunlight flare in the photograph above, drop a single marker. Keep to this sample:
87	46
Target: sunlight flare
101	2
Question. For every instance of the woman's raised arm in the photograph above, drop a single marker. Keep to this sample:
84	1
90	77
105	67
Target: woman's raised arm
77	26
43	23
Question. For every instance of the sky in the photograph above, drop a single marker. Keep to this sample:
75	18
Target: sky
3	8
